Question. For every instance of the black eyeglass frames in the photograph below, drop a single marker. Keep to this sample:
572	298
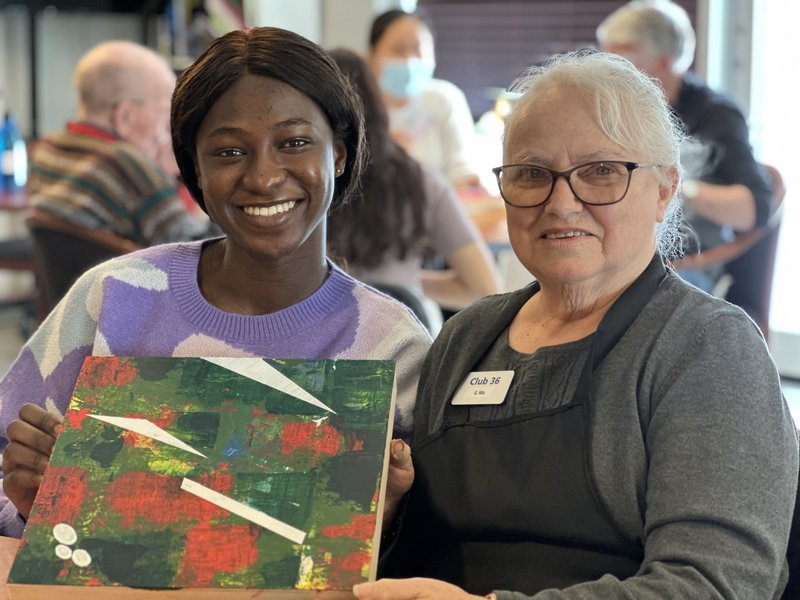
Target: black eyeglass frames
595	183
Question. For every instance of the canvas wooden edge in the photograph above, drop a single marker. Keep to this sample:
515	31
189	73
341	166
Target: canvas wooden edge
18	591
376	538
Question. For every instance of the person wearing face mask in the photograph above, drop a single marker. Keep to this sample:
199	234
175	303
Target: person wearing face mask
429	117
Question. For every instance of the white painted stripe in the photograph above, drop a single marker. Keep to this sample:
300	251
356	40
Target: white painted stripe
151	430
246	512
261	371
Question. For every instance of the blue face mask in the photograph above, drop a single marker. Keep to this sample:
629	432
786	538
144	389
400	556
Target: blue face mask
405	78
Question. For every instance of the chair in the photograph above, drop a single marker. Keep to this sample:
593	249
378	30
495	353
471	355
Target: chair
426	314
749	260
63	251
16	254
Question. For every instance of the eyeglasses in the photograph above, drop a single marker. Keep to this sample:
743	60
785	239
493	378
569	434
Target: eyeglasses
595	183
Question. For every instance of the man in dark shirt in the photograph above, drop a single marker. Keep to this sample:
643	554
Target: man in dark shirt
725	190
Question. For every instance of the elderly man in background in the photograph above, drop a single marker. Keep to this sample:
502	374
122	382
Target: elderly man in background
113	168
726	190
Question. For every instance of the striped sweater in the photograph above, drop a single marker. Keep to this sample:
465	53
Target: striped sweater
92	178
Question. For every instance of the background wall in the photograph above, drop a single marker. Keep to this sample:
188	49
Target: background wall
15	64
62	36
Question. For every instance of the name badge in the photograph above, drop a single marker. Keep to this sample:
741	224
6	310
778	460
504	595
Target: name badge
483	387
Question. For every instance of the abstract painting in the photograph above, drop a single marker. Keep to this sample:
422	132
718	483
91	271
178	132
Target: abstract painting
223	474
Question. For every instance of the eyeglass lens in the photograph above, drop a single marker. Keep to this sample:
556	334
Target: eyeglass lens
592	183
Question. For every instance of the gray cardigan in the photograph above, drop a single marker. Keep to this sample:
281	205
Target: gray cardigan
692	448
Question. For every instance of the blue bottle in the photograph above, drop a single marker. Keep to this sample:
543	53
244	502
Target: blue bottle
14	160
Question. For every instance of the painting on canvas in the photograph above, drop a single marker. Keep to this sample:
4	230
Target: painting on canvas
214	473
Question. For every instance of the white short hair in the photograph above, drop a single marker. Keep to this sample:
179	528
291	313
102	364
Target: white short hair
660	25
629	107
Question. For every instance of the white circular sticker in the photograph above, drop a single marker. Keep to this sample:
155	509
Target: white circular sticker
63	552
65	534
81	558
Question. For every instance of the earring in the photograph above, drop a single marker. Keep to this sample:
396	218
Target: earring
339	172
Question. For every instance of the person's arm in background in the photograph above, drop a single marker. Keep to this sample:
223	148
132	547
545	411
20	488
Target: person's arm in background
457	132
735	191
732	205
471	272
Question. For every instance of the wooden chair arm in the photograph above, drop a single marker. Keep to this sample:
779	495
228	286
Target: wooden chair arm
725	253
38	219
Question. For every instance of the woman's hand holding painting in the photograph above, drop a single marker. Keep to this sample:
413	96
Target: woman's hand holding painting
400	478
31	439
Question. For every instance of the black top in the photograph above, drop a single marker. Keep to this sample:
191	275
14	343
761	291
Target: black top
504	496
719	152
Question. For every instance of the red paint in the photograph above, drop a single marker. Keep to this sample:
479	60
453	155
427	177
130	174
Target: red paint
165	418
159	498
212	549
138	440
355	561
105	371
75	417
318	439
362	527
61	494
345	571
89	400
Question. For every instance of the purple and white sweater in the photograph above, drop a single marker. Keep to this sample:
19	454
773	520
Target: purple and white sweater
148	303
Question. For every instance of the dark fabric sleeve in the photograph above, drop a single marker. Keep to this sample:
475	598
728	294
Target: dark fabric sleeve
726	126
714	120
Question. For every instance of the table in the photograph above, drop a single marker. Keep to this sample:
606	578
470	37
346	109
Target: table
488	213
8	549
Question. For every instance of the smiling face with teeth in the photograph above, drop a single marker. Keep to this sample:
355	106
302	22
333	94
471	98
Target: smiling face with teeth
565	243
265	162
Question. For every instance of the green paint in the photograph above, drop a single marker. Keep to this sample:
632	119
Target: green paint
206	406
135	561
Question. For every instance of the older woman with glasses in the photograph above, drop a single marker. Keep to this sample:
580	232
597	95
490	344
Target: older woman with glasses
608	431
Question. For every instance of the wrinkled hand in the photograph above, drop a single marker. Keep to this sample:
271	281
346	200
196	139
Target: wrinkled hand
410	589
400	477
31	439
